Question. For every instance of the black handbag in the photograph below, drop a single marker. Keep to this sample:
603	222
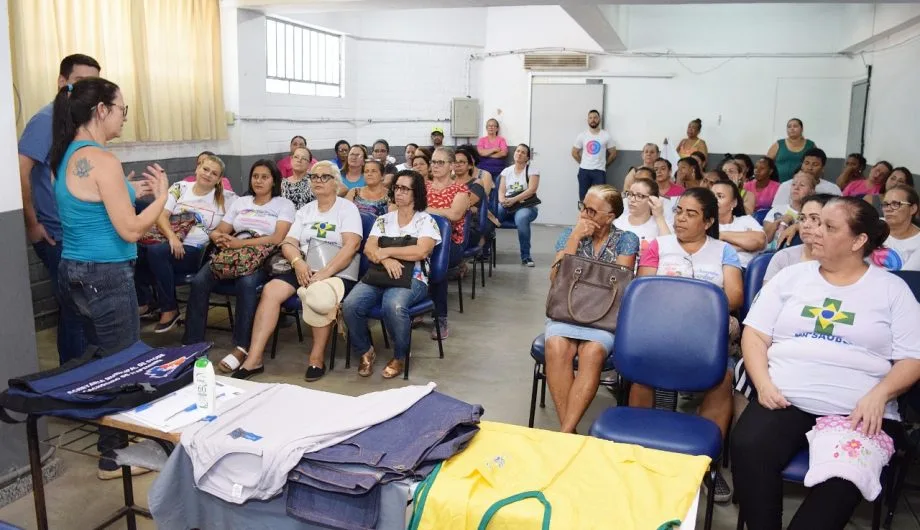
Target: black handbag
377	274
529	202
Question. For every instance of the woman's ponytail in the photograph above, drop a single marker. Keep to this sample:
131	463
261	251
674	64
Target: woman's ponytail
73	107
63	128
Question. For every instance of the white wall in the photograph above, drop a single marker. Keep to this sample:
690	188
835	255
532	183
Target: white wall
744	103
11	200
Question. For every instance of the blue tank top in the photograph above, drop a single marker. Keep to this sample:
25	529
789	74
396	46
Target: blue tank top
88	232
356	184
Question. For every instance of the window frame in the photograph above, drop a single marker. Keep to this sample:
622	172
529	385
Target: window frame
291	34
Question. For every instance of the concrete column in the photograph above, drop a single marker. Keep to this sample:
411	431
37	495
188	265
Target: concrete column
17	328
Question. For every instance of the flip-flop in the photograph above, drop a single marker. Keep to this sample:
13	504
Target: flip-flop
230	363
243	373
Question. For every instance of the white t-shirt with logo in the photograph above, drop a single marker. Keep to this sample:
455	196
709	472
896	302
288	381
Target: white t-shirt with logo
181	199
593	149
516	183
666	254
833	344
646	232
906	249
311	224
745	223
245	214
421	225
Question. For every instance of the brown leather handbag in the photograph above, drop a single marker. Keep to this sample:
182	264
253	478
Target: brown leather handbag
588	292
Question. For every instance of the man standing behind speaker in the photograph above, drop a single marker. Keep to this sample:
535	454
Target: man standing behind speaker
594	151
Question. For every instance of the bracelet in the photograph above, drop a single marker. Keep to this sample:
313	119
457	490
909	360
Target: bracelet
295	260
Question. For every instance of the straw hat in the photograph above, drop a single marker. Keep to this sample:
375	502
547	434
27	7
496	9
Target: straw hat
320	301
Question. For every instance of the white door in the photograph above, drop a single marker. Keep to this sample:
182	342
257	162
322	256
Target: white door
558	113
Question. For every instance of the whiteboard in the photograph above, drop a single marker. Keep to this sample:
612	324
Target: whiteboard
558	113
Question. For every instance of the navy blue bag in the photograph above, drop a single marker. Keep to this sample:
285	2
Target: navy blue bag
98	384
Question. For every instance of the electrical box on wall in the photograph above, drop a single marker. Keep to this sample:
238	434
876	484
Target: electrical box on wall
464	118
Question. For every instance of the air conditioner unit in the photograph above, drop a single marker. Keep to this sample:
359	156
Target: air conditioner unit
556	61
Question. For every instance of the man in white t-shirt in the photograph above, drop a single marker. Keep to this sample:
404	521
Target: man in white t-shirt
594	151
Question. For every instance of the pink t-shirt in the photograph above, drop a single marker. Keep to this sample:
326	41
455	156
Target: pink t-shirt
763	199
498	143
859	187
286	169
225	181
674	191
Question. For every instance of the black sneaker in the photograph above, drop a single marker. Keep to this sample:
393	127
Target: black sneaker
314	373
109	469
723	490
528	263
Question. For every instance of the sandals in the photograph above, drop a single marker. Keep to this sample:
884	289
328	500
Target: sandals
230	363
366	368
244	373
394	367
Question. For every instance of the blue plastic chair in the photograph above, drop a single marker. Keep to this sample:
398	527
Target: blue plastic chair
474	249
761	214
440	257
292	305
538	354
913	281
493	203
688	355
753	281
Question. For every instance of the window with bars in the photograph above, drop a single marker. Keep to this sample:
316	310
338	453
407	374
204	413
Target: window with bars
302	60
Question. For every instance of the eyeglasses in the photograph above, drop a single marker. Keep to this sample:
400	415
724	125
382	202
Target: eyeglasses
320	178
124	109
402	189
590	211
439	162
894	205
635	196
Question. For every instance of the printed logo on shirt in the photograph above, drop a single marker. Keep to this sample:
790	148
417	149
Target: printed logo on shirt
828	316
238	433
887	258
381	225
163	370
322	227
515	188
593	147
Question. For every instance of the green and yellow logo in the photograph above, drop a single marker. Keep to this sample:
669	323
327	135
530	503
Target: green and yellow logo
322	228
828	315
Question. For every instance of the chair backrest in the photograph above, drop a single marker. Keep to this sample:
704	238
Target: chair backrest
913	281
753	280
367	223
493	195
761	214
466	229
440	256
688	350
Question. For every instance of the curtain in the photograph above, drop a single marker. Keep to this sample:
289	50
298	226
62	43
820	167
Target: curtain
163	54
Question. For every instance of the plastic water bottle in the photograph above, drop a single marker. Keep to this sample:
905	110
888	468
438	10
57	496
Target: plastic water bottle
205	386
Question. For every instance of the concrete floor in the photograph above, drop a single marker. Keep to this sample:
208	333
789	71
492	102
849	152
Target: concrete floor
486	361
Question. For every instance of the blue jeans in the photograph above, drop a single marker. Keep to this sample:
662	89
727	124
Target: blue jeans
395	301
102	295
157	265
439	290
247	298
71	341
522	218
588	178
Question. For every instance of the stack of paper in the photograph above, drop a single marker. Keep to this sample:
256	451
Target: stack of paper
178	409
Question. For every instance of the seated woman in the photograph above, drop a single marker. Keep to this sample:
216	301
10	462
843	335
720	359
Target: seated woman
666	186
519	182
342	147
747	166
480	184
593	237
159	263
701	158
853	169
764	185
225	182
374	197
902	248
899	176
827	337
353	170
421	164
285	165
689	174
645	216
739	230
735	173
296	187
451	201
266	214
695	251
409	219
322	247
809	220
650	153
781	218
871	184
711	177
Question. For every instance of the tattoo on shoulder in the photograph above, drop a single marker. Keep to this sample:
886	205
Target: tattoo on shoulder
82	168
